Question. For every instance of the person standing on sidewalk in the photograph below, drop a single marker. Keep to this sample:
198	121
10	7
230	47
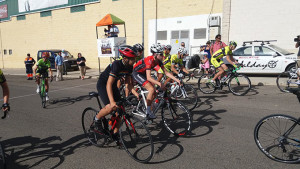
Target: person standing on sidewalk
81	64
65	56
59	61
29	62
218	44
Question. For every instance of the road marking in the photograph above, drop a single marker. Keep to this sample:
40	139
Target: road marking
11	98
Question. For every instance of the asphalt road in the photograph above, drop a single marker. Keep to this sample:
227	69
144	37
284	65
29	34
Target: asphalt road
222	134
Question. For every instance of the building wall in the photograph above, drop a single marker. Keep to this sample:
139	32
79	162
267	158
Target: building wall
76	32
263	20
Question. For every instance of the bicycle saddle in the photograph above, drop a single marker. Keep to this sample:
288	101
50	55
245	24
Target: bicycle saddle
94	94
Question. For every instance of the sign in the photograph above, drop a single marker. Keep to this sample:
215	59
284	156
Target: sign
3	11
108	47
30	5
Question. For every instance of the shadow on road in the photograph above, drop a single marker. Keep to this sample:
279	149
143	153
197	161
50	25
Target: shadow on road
66	101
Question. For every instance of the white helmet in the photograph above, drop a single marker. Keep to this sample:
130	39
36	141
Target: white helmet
156	48
182	51
204	53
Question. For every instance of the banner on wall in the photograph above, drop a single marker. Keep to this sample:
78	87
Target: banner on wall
108	47
3	11
30	5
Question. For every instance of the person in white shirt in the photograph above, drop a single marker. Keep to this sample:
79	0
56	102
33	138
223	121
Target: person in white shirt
114	31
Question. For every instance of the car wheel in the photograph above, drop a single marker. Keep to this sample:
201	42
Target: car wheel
291	67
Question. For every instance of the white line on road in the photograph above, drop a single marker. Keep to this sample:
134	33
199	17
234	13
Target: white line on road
50	91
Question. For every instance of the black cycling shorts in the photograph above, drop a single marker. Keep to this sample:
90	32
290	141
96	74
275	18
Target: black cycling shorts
140	78
102	92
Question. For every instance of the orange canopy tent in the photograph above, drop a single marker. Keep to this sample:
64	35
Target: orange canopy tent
110	19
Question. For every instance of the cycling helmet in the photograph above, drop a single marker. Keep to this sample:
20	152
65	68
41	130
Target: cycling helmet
138	47
204	53
182	51
156	48
168	47
45	54
232	43
127	53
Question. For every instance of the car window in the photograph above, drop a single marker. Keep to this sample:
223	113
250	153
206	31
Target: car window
243	51
263	51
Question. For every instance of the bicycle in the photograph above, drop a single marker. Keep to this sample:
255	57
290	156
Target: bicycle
278	135
199	71
2	153
42	93
175	116
134	134
287	79
238	84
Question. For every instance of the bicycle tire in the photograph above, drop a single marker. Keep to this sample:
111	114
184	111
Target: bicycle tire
204	86
198	72
2	157
284	80
190	99
268	136
94	136
177	118
239	85
136	139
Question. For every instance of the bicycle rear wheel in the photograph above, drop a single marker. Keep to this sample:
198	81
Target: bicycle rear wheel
95	136
136	139
187	95
204	85
198	72
286	80
2	158
239	85
43	94
176	118
271	138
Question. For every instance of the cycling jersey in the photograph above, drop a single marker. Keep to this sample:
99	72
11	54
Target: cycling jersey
216	58
43	65
2	77
147	63
173	60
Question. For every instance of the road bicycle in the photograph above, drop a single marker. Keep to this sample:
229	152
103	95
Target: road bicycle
278	135
2	152
199	71
134	134
288	79
238	84
42	93
175	116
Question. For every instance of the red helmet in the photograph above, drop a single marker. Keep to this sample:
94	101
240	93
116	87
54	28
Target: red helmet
128	53
45	54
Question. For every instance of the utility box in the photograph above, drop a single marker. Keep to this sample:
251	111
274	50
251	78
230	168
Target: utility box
215	21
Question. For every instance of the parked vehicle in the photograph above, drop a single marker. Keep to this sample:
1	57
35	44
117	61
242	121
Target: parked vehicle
70	61
261	57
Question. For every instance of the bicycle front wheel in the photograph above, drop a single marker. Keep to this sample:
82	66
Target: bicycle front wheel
239	85
2	158
285	80
95	136
278	137
187	95
198	72
136	139
177	118
204	85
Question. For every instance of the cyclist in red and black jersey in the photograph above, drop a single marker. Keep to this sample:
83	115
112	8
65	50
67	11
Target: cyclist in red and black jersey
142	74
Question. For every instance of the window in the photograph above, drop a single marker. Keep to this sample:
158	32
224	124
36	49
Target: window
244	51
77	8
175	35
21	17
45	14
161	35
5	51
10	52
263	51
200	33
184	34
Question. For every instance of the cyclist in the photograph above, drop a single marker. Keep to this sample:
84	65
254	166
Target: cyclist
139	51
107	85
43	66
5	89
167	55
219	64
142	74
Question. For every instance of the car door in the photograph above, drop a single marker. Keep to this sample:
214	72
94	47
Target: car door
244	57
267	62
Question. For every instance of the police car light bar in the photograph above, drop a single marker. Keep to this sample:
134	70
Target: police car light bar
262	42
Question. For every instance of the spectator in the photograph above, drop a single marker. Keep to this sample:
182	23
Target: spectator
184	59
206	48
81	64
29	62
107	31
65	56
218	44
59	61
114	31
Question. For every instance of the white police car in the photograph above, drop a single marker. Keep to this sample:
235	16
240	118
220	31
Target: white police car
261	57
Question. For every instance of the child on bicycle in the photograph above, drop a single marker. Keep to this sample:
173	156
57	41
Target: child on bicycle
205	63
142	74
42	68
107	85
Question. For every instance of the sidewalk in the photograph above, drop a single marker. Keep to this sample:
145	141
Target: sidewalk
94	73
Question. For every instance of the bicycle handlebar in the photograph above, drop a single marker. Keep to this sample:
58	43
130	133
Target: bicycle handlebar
5	112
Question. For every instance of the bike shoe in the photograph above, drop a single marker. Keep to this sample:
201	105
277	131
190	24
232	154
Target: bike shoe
99	127
151	115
